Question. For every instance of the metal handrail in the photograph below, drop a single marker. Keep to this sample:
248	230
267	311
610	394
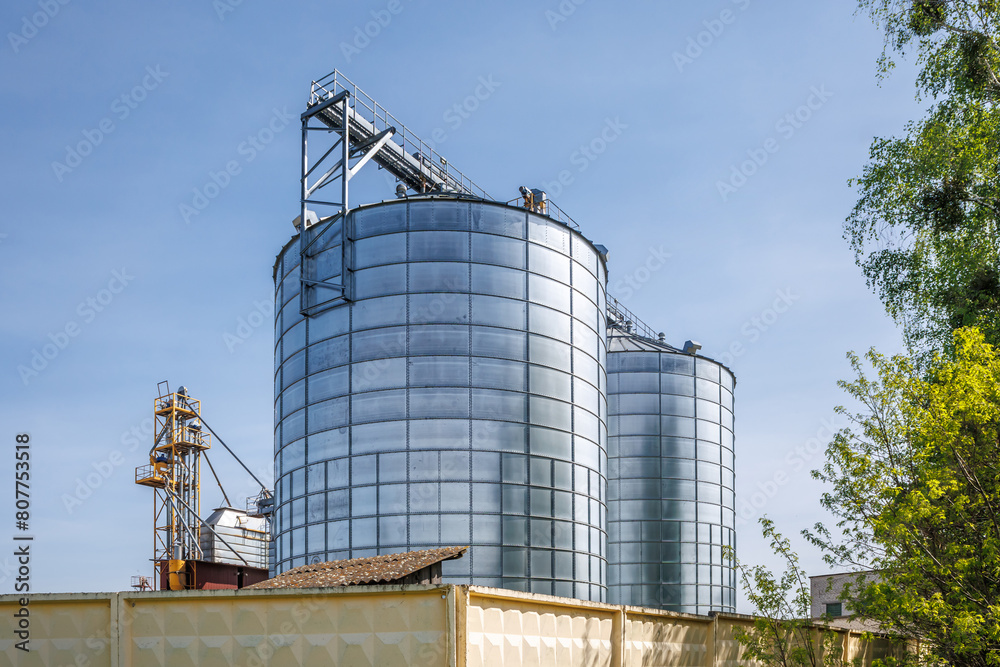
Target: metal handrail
547	208
381	120
147	471
621	318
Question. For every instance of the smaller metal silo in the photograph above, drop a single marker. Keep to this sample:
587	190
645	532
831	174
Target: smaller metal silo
671	503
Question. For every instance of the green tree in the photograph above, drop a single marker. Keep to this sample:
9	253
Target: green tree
915	487
925	227
783	635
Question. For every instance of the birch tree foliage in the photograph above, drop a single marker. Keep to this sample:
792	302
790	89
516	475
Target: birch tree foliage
924	229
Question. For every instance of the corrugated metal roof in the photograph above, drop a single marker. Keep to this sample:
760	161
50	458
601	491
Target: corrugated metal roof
371	570
624	342
620	342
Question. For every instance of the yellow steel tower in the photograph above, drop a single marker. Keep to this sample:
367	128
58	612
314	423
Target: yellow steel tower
174	473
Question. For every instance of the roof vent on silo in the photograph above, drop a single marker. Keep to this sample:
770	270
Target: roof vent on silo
311	219
691	347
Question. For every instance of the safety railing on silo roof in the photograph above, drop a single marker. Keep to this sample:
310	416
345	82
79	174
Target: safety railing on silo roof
546	207
335	82
622	319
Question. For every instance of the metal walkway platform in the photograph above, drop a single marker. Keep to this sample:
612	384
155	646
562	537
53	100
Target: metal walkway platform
379	136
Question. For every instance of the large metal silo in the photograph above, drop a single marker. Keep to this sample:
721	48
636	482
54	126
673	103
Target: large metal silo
456	396
671	504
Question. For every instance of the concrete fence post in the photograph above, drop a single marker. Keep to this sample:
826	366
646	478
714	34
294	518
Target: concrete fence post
618	638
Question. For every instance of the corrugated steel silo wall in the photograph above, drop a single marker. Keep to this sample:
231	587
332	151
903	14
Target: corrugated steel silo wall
459	398
671	503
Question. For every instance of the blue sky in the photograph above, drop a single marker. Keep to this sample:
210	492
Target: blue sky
116	115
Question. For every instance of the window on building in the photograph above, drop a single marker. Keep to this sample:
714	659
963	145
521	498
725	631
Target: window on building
834	609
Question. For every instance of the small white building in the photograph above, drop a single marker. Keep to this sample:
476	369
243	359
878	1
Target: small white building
831	604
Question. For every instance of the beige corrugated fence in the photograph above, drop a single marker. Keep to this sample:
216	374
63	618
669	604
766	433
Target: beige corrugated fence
454	626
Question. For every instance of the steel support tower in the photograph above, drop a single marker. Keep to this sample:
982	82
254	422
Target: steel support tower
360	130
174	474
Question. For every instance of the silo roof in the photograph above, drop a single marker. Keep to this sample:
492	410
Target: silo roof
371	570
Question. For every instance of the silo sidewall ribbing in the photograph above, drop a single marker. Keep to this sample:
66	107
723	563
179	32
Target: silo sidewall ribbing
671	502
458	398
